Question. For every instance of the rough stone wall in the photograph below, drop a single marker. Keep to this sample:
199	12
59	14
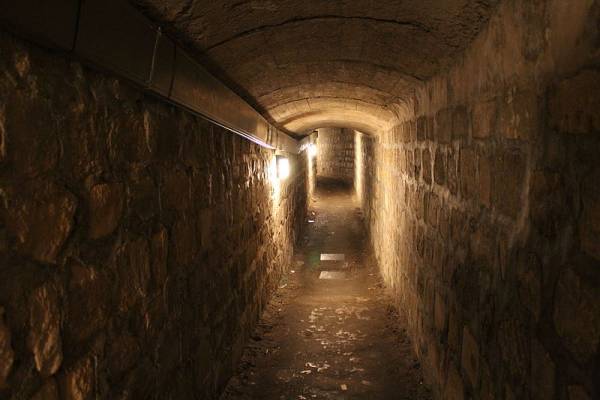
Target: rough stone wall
335	156
138	243
486	214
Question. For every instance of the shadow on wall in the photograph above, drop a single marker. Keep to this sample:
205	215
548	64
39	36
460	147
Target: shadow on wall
364	164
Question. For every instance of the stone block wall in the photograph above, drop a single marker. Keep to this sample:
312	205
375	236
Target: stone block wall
335	156
484	212
138	243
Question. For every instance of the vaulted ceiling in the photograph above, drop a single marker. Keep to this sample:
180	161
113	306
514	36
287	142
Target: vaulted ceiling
314	63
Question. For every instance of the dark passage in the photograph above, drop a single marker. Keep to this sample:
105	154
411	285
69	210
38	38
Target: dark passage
330	330
299	199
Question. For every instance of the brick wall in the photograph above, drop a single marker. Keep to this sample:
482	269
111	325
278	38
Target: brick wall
138	243
335	156
484	213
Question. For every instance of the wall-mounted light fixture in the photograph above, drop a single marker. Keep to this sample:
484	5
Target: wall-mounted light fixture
283	167
312	150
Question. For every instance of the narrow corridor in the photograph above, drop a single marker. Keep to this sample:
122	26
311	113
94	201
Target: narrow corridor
330	331
163	235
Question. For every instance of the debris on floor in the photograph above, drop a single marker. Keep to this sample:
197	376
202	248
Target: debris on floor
332	275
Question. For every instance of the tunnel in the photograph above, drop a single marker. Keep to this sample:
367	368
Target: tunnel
318	199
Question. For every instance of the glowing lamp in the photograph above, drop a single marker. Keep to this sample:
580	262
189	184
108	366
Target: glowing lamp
312	150
283	167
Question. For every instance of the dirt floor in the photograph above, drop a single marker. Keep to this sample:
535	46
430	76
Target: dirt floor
330	338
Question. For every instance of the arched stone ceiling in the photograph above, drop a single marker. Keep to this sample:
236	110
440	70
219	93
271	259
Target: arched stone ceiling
312	63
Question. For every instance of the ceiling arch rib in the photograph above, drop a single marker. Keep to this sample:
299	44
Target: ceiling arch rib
300	115
352	63
324	119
